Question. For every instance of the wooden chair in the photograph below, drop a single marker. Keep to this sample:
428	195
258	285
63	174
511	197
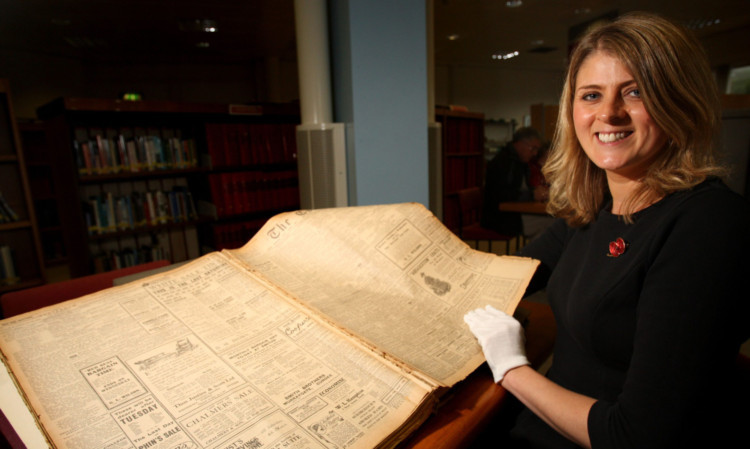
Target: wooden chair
21	301
470	228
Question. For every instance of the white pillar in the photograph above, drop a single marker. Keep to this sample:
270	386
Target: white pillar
313	60
321	144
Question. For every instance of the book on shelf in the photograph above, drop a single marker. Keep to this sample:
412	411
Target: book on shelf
102	152
176	245
331	328
7	213
235	193
107	212
8	273
127	257
232	144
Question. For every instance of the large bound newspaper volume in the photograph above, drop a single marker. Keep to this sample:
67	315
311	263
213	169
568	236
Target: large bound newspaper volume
332	328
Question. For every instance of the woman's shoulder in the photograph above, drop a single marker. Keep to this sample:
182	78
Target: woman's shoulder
709	207
714	185
710	196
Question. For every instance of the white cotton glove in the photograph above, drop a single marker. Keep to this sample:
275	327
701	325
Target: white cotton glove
501	337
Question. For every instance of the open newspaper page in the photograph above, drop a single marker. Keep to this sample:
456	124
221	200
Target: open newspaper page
393	275
204	356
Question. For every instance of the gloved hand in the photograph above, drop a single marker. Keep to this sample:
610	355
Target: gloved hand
501	337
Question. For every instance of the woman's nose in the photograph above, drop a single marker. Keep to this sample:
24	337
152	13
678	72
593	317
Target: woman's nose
611	110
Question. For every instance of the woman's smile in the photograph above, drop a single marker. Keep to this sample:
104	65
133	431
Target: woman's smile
612	137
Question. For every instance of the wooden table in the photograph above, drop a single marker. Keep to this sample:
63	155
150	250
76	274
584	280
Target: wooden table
470	406
524	207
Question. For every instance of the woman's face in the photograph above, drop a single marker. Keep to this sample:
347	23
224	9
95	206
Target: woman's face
610	119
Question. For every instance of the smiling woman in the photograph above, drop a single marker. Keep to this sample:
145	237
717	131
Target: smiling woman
649	318
649	75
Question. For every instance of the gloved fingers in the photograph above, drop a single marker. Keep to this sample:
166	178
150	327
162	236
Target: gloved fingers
481	325
489	317
501	338
485	313
490	311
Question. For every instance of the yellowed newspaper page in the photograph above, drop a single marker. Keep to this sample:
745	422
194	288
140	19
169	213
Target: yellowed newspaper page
203	356
392	274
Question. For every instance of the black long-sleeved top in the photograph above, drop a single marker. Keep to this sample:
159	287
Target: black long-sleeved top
651	334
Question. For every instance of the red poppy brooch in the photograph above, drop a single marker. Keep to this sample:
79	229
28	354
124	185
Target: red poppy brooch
617	247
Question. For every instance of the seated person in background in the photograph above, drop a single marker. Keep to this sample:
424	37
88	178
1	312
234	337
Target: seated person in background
507	179
510	178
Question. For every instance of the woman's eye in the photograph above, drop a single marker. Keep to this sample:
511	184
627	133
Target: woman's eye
635	93
589	96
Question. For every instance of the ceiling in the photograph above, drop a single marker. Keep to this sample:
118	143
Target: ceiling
539	29
148	31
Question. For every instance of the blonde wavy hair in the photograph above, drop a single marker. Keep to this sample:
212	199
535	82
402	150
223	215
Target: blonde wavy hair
679	93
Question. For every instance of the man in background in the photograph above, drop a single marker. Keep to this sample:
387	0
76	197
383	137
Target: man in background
508	179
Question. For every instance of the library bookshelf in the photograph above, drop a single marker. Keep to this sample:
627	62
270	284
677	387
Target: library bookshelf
147	180
463	157
20	254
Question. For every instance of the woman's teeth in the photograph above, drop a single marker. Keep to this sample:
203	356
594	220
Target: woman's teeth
611	137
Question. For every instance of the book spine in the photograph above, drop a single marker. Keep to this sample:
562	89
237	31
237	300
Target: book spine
150	209
122	149
8	213
111	214
9	275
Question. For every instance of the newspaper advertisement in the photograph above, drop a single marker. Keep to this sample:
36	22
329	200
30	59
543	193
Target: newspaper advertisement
395	276
203	356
